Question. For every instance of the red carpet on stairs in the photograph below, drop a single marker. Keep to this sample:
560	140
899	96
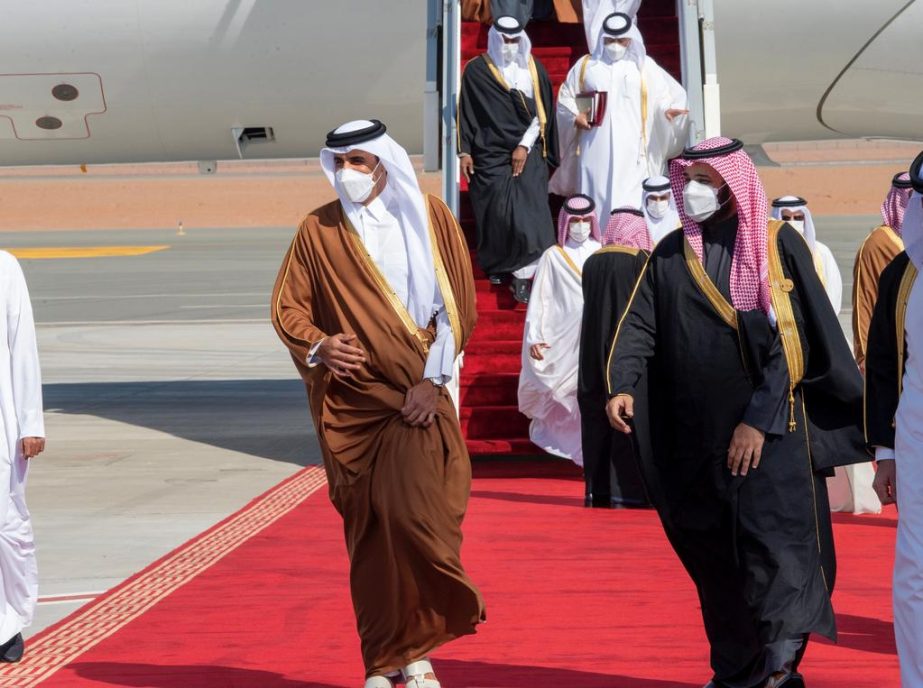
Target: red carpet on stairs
575	598
490	419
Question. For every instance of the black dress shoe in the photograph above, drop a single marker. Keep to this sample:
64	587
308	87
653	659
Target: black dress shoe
496	279
598	501
521	289
11	651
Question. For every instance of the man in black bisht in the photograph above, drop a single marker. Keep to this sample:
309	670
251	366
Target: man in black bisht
506	143
752	397
610	466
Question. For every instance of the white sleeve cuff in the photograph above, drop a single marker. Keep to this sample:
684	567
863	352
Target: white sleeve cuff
884	454
440	362
531	135
313	360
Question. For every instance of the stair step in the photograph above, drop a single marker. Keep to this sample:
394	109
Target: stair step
494	422
489	348
496	297
516	447
499	331
476	392
490	377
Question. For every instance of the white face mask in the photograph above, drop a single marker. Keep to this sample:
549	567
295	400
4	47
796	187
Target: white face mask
658	209
616	51
797	224
355	184
700	201
510	52
579	231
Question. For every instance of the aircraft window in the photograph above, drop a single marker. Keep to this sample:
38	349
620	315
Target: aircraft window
65	92
48	123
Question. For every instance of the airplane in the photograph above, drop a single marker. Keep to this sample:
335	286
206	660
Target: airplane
111	81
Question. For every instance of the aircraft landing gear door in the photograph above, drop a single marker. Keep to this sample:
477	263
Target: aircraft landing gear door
41	107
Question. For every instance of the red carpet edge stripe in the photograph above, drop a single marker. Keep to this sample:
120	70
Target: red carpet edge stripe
61	643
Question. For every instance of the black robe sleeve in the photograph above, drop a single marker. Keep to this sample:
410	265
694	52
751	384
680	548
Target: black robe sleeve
609	278
767	409
882	377
832	385
634	339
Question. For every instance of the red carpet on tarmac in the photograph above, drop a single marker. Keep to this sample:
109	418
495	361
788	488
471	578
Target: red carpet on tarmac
576	599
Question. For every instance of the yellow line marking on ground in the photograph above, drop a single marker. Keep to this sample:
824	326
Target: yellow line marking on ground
58	252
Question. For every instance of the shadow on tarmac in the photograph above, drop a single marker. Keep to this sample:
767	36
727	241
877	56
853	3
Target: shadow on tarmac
463	674
264	418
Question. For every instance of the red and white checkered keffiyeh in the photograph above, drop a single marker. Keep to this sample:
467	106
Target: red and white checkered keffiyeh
749	265
627	227
892	210
577	203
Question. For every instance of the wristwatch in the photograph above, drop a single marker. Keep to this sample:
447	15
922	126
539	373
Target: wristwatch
436	381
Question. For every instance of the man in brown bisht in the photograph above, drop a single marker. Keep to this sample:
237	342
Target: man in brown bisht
879	248
375	300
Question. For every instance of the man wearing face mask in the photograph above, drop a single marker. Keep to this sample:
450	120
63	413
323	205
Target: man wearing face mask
375	299
850	490
642	126
877	251
610	466
794	210
753	398
548	382
506	144
659	208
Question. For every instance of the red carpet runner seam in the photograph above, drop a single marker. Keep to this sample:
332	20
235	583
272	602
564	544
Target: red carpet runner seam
87	627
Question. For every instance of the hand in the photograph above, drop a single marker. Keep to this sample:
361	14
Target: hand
746	449
32	446
582	121
467	166
885	483
619	409
420	405
673	113
340	354
535	351
520	154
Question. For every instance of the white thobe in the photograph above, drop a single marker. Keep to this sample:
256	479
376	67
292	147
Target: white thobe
609	163
21	412
383	238
908	455
548	388
830	275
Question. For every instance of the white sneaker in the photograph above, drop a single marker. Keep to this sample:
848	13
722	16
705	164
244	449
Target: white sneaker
414	675
378	682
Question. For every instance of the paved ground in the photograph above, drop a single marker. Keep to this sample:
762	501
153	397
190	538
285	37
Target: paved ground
170	402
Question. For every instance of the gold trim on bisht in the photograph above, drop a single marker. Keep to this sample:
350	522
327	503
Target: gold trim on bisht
442	278
570	261
725	310
903	297
614	248
536	94
390	295
780	288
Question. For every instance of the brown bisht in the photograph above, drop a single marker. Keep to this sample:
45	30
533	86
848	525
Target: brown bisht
402	491
877	251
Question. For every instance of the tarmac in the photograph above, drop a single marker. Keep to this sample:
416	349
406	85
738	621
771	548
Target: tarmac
170	403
